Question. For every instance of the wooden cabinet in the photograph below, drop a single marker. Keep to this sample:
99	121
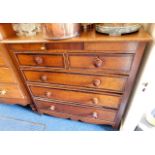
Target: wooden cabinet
88	78
12	89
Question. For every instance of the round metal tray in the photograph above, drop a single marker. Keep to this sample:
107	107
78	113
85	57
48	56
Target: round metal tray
117	29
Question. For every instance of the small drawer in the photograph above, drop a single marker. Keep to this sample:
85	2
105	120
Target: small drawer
2	63
81	112
113	62
6	75
111	46
27	47
113	83
104	100
41	60
65	46
10	91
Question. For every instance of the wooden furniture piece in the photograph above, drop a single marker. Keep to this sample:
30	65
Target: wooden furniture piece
12	90
88	78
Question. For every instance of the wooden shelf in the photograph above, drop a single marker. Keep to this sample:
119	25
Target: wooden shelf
89	36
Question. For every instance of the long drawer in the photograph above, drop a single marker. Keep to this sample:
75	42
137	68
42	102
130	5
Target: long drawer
41	60
27	47
94	114
92	99
48	46
6	75
112	46
115	83
101	62
10	91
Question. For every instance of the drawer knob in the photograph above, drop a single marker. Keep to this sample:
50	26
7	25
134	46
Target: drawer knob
98	62
38	60
2	92
52	107
96	82
95	115
48	94
95	100
43	78
42	48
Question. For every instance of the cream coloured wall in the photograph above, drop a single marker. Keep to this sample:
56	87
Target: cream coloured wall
141	101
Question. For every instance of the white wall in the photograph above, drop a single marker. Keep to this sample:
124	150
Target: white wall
140	100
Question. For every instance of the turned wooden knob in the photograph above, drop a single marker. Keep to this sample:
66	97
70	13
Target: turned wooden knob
43	78
48	94
38	60
95	115
42	48
95	100
96	82
52	107
98	62
2	92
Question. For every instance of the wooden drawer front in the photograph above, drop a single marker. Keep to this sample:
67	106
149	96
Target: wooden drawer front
65	46
6	76
117	62
112	46
92	113
40	60
2	63
48	46
99	82
27	47
10	91
77	97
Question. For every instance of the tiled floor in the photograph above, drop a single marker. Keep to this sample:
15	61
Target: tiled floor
18	118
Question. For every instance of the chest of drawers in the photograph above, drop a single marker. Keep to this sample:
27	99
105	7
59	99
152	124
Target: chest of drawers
88	78
12	90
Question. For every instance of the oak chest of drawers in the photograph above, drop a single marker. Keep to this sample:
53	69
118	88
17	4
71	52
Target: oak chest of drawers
88	78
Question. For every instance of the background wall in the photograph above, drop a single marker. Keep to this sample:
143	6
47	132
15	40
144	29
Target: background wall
141	100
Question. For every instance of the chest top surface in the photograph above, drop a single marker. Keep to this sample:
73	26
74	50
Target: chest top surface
89	36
